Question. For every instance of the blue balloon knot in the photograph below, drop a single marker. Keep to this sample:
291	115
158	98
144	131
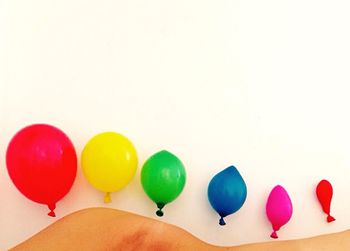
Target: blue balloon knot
222	222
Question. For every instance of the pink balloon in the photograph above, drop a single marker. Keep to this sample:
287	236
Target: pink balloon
279	209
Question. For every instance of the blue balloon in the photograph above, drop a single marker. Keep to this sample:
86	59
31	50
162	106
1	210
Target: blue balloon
227	192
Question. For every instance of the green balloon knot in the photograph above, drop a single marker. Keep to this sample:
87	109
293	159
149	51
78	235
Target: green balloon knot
159	213
160	206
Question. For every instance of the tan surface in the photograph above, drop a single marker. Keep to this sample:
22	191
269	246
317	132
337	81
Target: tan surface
108	229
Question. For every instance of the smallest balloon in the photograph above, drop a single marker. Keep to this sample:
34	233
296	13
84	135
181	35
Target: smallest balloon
324	192
279	209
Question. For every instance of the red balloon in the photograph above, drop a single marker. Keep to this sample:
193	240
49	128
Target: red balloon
324	192
42	163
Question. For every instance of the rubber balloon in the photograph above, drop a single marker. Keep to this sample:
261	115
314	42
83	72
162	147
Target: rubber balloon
279	209
227	192
163	178
324	192
109	162
42	163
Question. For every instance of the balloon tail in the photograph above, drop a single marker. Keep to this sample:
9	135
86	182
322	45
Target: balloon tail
274	235
52	208
107	198
159	212
330	218
222	222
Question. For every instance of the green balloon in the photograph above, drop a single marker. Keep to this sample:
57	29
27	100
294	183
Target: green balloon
163	178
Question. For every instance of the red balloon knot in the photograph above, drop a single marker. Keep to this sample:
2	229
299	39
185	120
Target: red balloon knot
52	208
330	218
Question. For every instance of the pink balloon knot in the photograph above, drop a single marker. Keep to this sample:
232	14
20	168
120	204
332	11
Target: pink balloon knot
330	218
274	235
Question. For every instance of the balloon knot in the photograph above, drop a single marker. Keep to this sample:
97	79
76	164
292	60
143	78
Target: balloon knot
159	213
52	208
160	206
330	218
107	198
274	235
222	222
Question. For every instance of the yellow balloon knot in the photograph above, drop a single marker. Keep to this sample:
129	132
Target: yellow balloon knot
107	198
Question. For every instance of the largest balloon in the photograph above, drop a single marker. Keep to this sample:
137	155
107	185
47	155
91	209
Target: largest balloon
42	163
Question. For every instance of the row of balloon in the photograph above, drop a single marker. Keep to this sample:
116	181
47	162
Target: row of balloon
42	163
227	193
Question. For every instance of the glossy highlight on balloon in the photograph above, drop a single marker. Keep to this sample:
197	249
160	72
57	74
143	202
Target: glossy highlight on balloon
163	177
109	162
279	209
42	163
324	192
227	192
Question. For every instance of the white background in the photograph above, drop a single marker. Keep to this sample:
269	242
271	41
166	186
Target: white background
263	85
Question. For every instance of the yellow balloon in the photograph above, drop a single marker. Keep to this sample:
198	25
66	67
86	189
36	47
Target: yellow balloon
109	162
